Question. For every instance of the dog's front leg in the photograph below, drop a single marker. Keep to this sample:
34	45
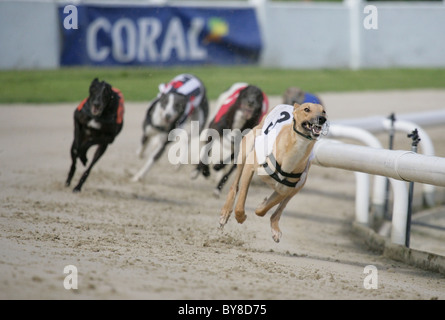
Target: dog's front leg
246	178
74	151
73	164
246	156
246	146
99	152
275	218
230	200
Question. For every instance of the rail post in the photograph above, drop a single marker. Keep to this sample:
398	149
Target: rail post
415	141
392	118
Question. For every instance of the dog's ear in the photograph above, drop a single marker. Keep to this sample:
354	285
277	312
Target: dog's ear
93	86
296	106
244	91
108	88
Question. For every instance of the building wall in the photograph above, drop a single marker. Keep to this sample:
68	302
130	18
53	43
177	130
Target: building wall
295	35
29	35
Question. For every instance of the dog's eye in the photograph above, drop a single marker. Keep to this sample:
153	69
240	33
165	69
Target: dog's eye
307	110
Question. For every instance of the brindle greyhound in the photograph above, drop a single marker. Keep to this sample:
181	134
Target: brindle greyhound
241	107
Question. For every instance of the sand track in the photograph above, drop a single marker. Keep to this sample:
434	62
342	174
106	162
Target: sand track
159	239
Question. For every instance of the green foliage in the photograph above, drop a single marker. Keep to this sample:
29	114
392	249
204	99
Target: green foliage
141	84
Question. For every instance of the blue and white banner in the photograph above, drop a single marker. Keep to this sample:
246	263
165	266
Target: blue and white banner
158	36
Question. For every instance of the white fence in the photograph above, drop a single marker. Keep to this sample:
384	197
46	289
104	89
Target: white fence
400	166
396	164
295	35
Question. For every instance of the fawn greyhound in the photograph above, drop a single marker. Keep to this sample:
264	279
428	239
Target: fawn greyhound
279	149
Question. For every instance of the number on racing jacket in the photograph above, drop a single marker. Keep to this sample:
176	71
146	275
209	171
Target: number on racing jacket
284	116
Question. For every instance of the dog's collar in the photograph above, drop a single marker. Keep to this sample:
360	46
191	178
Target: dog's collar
301	133
274	175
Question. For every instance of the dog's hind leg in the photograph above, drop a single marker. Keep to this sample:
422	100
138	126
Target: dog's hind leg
99	152
74	151
268	203
275	218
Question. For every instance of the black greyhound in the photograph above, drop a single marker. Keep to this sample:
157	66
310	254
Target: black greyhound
97	121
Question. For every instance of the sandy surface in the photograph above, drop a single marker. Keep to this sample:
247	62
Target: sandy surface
159	239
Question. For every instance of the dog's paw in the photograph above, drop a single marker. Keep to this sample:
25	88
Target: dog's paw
276	235
76	189
240	216
223	219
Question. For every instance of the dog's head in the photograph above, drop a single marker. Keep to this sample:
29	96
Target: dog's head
293	95
311	119
250	101
99	97
172	106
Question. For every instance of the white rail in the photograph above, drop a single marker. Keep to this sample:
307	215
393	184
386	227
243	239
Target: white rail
405	123
377	123
396	164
